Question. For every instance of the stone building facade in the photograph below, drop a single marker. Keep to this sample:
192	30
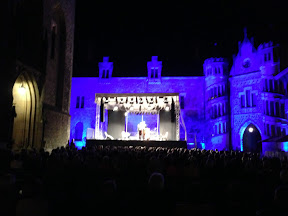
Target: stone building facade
227	108
37	67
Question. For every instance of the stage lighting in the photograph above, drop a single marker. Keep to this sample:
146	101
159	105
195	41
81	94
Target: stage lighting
250	129
131	108
126	113
167	108
115	108
22	89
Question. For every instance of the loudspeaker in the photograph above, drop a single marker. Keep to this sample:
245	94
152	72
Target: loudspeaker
102	112
173	117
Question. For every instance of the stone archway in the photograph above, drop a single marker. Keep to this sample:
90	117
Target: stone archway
250	139
25	104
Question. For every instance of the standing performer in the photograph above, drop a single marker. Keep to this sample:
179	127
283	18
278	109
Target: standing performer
141	127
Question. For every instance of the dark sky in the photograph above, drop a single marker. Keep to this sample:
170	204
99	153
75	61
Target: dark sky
182	35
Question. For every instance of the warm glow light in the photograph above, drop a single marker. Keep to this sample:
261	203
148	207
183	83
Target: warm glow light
22	89
167	108
250	129
115	108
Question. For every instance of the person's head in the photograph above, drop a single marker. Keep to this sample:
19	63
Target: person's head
284	176
109	187
156	182
281	195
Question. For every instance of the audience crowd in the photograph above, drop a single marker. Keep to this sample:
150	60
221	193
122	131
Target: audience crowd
109	180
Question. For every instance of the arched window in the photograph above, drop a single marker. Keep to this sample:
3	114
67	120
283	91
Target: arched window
79	131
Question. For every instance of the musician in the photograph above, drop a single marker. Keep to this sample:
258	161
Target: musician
141	126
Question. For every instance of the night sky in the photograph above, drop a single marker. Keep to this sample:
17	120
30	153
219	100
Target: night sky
182	35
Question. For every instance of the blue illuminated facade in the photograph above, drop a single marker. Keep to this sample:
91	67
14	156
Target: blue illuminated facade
217	108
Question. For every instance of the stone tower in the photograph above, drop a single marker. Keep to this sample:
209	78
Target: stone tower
38	73
217	102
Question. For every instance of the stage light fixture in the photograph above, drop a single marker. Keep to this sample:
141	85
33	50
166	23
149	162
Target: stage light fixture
22	89
115	108
167	108
131	108
126	113
250	129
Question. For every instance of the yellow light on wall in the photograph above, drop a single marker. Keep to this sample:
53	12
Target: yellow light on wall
22	89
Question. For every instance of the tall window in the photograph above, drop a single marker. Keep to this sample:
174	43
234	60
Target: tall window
282	111
276	86
270	85
273	130
281	87
266	85
283	132
253	100
267	107
77	101
268	129
156	73
78	104
152	72
277	109
265	57
278	130
82	102
242	101
248	99
269	56
272	108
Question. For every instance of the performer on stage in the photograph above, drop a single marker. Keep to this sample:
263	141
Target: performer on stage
141	130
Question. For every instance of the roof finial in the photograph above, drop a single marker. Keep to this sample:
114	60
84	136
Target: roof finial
245	32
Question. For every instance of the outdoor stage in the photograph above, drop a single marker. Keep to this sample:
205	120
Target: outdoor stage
152	143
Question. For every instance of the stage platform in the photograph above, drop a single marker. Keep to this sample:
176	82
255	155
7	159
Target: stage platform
152	143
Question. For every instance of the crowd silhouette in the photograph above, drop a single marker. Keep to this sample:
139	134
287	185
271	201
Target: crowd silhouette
141	181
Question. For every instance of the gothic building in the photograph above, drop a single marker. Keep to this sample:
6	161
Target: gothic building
36	61
242	107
